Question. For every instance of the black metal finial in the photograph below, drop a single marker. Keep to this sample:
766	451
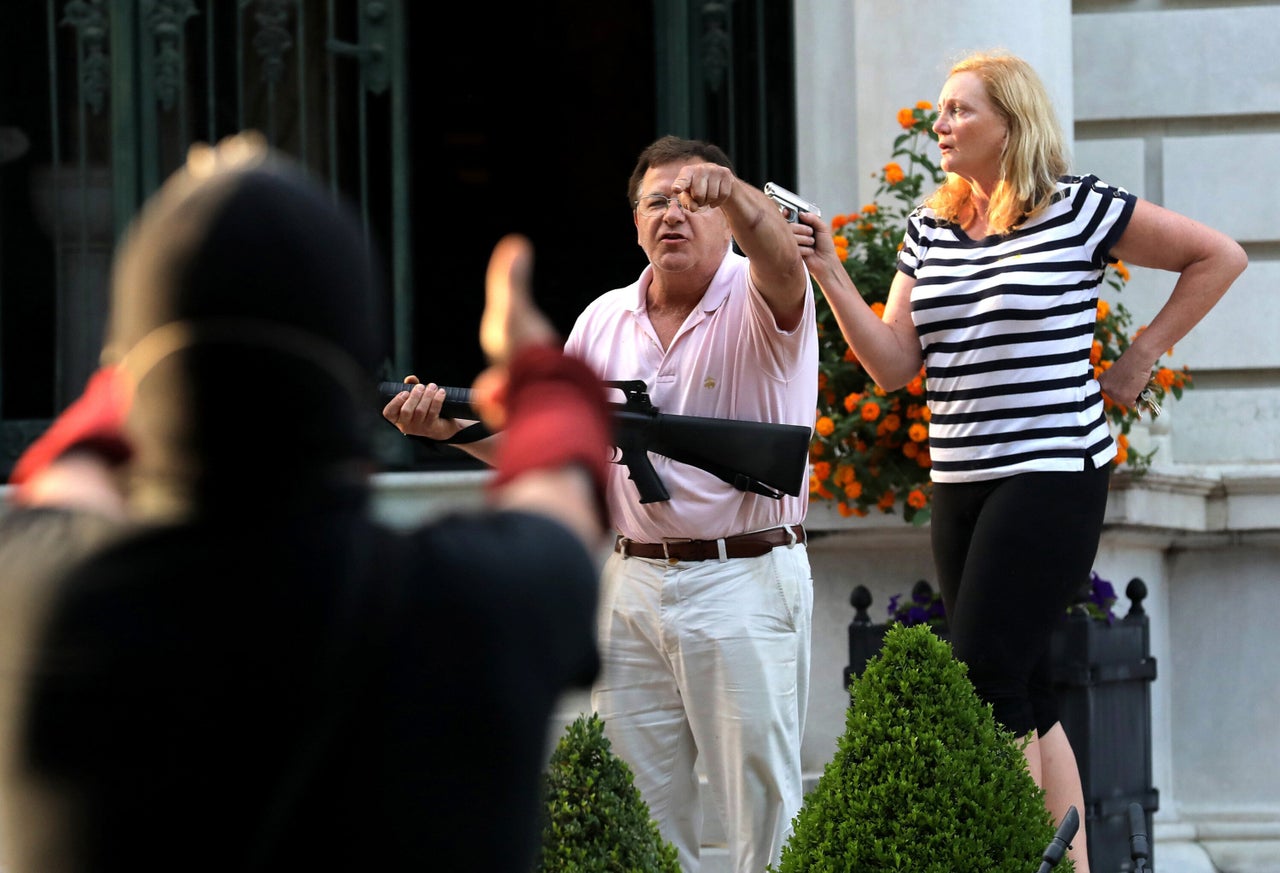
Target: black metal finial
1136	591
860	599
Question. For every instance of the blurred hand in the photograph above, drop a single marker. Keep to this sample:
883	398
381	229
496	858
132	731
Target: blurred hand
510	323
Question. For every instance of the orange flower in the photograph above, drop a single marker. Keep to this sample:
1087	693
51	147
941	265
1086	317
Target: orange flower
870	411
853	490
916	386
1095	353
838	222
906	117
1104	309
886	501
843	509
822	470
893	173
870	209
892	422
1165	378
925	105
911	450
918	433
1122	453
916	499
825	427
878	309
849	356
851	401
1122	270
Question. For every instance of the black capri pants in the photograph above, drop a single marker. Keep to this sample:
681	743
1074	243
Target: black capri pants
1011	554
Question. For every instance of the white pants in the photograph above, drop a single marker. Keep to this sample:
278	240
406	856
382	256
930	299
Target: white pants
710	659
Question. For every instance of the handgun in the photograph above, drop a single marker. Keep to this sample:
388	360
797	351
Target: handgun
789	203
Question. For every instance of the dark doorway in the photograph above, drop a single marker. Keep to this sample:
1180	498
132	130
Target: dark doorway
528	120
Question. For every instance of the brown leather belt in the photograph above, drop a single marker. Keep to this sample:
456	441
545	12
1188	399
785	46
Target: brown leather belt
751	545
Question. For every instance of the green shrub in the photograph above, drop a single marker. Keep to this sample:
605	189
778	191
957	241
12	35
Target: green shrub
596	821
923	778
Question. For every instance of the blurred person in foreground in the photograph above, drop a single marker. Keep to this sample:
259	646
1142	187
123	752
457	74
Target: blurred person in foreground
707	599
997	294
231	665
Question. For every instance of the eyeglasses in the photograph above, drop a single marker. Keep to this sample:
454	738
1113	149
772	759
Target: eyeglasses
656	205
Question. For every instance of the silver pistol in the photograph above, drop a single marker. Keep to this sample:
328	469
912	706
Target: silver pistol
789	203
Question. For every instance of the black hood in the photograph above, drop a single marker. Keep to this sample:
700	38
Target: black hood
246	310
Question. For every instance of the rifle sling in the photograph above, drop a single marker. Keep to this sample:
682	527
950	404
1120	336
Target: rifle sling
738	480
469	434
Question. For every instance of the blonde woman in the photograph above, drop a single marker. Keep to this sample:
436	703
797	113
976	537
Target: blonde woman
996	294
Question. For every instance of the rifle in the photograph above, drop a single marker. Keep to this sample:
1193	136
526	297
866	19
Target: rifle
755	456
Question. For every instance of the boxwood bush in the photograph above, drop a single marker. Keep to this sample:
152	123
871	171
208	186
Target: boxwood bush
923	779
595	819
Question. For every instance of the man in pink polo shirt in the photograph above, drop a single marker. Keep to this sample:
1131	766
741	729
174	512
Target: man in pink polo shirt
707	598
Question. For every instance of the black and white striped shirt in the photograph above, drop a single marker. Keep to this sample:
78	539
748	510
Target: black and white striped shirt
1006	324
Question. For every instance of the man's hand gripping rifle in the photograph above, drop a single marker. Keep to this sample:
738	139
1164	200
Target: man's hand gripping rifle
760	457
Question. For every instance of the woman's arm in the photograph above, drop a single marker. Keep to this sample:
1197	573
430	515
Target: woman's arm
888	347
1207	262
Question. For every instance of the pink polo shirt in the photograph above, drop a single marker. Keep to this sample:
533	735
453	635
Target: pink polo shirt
729	360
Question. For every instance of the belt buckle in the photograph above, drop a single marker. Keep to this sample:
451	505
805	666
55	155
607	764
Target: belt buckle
666	552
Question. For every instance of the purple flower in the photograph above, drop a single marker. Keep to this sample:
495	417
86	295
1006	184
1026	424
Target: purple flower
925	606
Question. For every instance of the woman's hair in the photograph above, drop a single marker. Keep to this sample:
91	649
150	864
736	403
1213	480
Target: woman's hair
1035	155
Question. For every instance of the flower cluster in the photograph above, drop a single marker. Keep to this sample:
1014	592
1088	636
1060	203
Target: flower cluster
1102	596
870	448
925	604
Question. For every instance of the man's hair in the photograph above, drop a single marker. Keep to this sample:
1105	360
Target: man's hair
668	150
1036	153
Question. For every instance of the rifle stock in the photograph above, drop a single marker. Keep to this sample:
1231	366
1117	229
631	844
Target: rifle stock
760	457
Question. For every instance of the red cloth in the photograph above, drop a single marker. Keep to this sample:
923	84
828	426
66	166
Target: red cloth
557	413
94	421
